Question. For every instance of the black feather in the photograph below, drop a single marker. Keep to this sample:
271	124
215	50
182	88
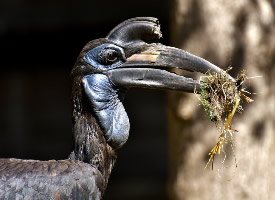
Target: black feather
63	179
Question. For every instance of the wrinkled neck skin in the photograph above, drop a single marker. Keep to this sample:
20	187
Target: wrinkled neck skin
98	117
106	102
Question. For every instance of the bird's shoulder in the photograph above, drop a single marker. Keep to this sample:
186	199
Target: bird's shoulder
62	179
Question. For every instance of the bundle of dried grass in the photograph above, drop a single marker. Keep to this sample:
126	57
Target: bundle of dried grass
221	98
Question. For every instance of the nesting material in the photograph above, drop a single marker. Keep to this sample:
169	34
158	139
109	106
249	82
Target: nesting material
221	99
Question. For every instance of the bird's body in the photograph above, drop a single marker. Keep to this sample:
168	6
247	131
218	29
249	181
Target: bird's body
84	175
63	179
104	71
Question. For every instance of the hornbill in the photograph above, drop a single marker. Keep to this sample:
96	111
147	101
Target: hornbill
104	71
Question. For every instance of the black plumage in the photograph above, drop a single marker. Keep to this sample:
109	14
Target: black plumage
64	179
104	71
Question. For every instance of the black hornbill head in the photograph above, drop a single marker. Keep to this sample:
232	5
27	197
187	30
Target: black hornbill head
129	57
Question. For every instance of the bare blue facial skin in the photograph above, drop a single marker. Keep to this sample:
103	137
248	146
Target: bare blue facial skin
104	97
105	57
106	101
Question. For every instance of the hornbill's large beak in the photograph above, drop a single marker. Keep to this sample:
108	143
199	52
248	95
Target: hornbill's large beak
148	69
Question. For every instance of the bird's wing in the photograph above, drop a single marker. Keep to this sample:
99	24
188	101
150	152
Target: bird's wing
63	179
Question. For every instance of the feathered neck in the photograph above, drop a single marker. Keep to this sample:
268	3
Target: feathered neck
89	144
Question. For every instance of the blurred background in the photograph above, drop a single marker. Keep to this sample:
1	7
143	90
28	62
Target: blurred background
240	34
170	135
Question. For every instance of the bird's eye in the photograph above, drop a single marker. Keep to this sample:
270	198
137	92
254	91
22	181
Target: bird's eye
105	57
109	56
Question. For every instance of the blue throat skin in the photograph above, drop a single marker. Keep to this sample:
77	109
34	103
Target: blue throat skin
106	101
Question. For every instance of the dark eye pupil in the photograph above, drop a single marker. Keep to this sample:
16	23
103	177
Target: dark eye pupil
109	56
112	55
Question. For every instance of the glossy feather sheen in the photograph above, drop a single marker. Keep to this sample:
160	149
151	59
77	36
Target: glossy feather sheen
63	179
